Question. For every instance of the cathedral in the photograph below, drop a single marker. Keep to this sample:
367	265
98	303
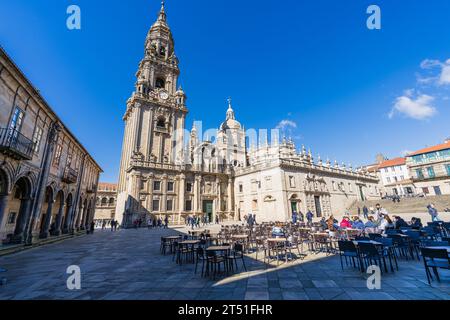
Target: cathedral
166	170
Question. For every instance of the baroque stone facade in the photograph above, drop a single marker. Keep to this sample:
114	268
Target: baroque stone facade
162	175
105	206
48	180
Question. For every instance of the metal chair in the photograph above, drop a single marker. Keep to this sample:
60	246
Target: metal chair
435	258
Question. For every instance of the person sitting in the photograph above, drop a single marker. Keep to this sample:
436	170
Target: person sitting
331	224
400	223
416	223
358	224
277	232
345	223
371	223
386	223
323	223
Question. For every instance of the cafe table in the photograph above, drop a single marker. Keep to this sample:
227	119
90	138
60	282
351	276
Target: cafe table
189	245
171	239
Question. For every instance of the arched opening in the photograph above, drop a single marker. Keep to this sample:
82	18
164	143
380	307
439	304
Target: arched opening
111	202
161	123
104	202
46	214
19	204
160	83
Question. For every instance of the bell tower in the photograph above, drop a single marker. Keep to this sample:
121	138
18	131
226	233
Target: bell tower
156	111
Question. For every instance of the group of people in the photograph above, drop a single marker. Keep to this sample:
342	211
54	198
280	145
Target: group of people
250	219
113	224
154	223
197	221
299	217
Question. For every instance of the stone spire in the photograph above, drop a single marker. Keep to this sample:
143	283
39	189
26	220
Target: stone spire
230	111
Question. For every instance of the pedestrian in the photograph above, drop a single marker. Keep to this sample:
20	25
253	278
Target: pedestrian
166	222
309	218
365	212
433	213
294	217
217	219
301	217
92	227
112	225
103	225
359	212
198	222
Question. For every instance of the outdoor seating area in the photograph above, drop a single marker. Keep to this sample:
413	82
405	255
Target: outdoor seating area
276	243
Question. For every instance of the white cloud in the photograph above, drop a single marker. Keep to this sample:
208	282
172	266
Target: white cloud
419	108
445	73
442	77
284	124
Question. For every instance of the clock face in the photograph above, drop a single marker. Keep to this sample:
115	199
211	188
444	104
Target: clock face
164	95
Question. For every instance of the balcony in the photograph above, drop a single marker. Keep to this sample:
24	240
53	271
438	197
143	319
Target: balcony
15	144
91	189
70	176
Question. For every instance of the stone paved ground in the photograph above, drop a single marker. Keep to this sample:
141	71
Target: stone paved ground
127	265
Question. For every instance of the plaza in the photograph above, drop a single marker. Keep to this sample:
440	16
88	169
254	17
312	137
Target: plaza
127	265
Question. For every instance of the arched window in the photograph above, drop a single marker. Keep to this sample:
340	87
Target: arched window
162	51
104	201
160	83
161	123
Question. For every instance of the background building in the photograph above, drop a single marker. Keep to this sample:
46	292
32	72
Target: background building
395	178
430	169
48	180
105	205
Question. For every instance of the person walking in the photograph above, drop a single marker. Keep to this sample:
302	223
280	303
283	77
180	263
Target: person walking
112	225
92	227
103	225
301	216
217	219
365	212
433	213
309	218
166	222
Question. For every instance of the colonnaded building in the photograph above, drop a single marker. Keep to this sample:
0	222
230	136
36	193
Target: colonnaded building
48	180
165	170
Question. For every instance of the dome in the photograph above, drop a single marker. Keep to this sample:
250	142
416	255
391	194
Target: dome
230	122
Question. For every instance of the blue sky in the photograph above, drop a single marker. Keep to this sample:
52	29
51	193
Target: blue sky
352	92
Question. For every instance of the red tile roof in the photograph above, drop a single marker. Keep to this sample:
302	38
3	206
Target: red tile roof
392	163
438	147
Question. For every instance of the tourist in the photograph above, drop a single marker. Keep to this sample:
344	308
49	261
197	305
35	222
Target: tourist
433	213
301	217
371	223
399	223
197	222
154	223
103	225
359	211
294	217
149	223
365	212
379	211
358	224
416	223
309	218
112	225
217	219
345	223
166	222
323	223
92	227
385	223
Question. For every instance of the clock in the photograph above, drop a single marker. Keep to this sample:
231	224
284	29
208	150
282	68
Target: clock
164	95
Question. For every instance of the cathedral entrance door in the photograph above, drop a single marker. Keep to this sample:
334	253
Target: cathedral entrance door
318	207
208	209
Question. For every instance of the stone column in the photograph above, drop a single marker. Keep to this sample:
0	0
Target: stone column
58	220
79	217
70	212
24	214
196	193
164	194
3	204
230	198
48	218
181	196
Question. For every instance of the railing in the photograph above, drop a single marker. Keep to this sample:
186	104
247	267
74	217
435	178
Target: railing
175	167
15	144
438	175
70	176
